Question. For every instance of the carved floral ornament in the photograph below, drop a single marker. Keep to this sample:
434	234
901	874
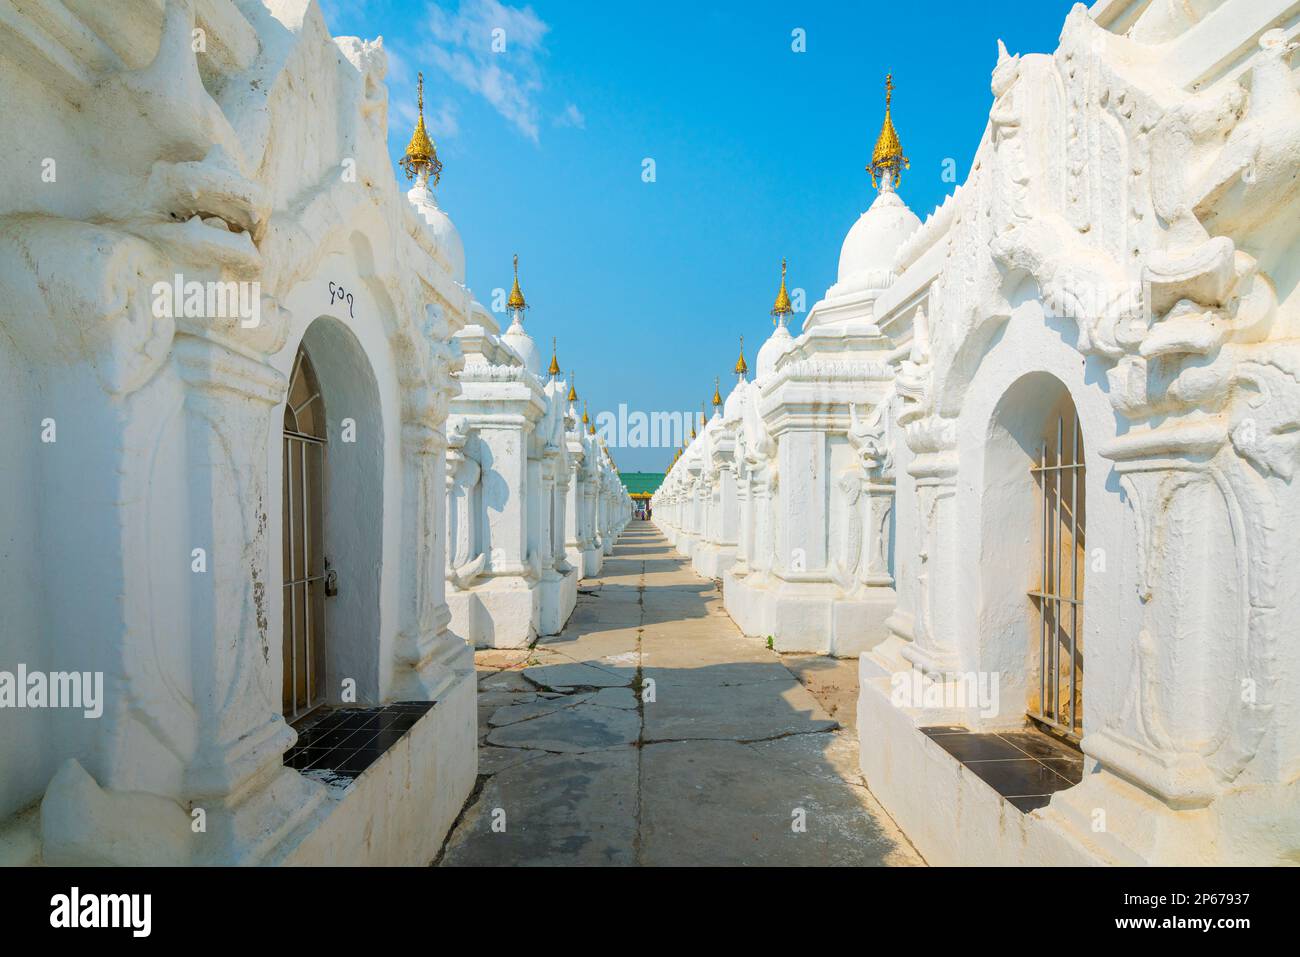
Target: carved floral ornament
1136	236
487	372
868	436
204	213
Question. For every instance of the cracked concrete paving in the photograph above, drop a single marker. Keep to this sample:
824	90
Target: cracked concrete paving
652	732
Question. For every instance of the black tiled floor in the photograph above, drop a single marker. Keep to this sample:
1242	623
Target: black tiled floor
300	759
977	747
387	738
1072	771
329	737
346	741
1021	777
938	729
1025	767
1039	745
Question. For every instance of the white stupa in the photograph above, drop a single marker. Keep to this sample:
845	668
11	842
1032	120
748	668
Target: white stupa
732	409
422	164
871	246
516	337
779	342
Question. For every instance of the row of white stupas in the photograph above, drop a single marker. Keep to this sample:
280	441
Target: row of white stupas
534	501
1106	311
787	492
263	452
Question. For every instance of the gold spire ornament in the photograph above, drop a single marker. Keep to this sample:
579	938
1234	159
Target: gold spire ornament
887	157
421	156
573	392
554	368
585	420
717	396
741	367
781	308
516	301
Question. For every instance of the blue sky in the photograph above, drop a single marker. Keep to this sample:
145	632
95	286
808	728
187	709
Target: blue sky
758	151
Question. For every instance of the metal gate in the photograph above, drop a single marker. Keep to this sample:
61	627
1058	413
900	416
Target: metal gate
304	558
1059	597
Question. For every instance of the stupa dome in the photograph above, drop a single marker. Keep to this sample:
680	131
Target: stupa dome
867	256
776	346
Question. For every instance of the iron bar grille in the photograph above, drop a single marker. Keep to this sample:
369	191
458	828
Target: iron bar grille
303	529
1058	600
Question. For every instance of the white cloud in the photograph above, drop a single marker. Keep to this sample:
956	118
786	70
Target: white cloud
440	114
572	116
443	120
493	50
399	71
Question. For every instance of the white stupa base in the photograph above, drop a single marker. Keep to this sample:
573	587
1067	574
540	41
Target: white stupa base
711	560
497	613
808	617
559	596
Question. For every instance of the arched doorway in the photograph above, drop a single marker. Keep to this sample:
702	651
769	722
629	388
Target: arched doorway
333	470
1033	528
303	518
1056	699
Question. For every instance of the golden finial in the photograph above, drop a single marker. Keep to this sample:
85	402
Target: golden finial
585	420
421	156
516	301
591	428
554	369
573	393
888	156
717	396
781	308
741	367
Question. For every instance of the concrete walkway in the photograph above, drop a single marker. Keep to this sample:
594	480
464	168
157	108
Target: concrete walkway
652	732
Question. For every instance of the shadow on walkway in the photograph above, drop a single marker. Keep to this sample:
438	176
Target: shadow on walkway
651	731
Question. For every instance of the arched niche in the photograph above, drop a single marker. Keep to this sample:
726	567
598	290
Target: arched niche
347	537
1033	543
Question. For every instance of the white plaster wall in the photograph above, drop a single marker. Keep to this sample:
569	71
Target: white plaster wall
839	459
27	760
905	522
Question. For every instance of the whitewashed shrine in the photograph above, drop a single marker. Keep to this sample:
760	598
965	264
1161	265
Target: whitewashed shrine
1033	459
227	361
